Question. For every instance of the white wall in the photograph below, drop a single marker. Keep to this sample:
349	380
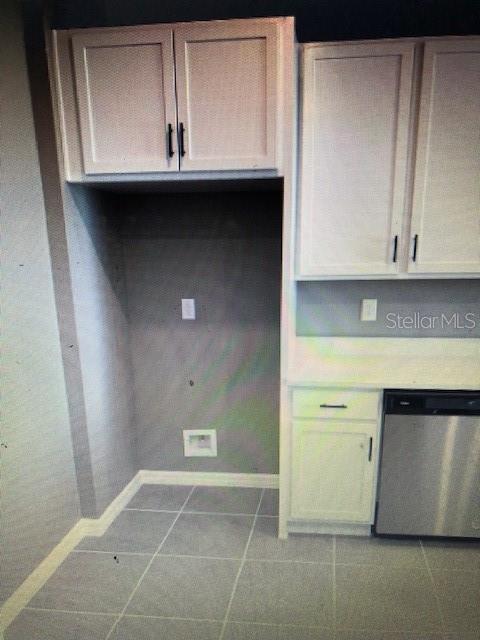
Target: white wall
38	495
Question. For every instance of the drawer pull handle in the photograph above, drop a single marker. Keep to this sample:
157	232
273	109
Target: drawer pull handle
370	447
333	406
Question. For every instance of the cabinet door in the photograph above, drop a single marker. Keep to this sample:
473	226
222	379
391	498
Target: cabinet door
334	470
355	129
126	99
227	94
446	206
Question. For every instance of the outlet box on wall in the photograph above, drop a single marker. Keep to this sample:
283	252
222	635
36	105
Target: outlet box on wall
368	311
200	443
188	309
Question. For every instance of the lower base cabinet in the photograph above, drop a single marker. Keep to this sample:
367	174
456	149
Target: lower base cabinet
334	470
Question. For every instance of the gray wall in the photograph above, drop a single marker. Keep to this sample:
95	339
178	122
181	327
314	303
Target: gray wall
223	250
95	261
333	308
38	495
89	290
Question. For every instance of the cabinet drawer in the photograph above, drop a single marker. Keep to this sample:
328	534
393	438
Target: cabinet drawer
335	403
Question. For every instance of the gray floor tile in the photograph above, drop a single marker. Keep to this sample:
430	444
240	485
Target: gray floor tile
185	588
284	593
91	582
385	599
449	555
269	504
164	629
465	635
53	625
265	544
224	500
154	496
379	551
459	595
136	531
220	536
240	631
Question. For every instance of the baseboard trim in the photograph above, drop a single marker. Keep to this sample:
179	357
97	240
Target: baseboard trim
84	527
97	526
210	479
29	587
338	529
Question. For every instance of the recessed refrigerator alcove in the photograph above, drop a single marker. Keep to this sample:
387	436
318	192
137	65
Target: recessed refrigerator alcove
222	370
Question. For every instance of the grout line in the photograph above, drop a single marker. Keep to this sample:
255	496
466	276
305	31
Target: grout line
111	614
112	629
150	617
137	615
278	625
242	564
117	553
202	557
334	585
395	634
225	513
239	622
201	513
152	510
434	588
250	560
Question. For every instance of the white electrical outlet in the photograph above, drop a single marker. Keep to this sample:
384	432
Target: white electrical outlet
200	443
369	310
188	309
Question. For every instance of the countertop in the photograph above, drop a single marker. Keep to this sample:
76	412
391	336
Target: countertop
385	363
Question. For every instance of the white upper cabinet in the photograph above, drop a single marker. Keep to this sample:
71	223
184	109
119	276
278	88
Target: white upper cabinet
125	89
445	233
207	96
354	145
227	94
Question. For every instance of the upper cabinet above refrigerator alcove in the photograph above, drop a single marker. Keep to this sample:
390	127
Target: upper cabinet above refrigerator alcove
171	99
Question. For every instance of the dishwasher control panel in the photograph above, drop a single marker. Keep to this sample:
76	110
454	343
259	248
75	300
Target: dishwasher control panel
432	403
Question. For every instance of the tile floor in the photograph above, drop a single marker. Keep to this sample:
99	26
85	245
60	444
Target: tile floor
198	563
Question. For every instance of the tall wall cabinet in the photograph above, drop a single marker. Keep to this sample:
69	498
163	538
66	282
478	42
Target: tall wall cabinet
362	154
172	98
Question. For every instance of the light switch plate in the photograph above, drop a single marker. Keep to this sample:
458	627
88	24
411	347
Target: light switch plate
369	310
188	309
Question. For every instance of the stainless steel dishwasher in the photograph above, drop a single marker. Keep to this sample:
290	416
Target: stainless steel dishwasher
430	464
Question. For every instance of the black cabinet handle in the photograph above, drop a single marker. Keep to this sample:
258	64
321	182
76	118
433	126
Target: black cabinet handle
182	139
333	406
395	248
415	243
170	140
370	447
